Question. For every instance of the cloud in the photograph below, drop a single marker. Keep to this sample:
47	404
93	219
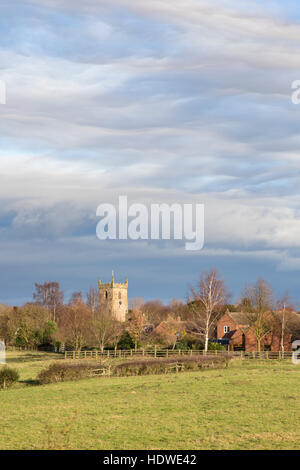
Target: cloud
163	102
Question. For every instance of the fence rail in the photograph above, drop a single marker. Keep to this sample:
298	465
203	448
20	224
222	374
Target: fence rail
156	353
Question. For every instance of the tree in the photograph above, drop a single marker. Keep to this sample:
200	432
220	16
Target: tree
178	309
49	296
155	311
5	333
75	323
245	305
284	316
26	325
92	299
104	326
136	324
260	296
49	331
136	303
125	341
76	297
206	301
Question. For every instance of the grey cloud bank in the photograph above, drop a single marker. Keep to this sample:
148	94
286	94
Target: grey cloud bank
164	104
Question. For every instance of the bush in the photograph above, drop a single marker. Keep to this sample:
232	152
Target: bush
215	346
8	377
162	366
63	371
126	342
182	345
193	342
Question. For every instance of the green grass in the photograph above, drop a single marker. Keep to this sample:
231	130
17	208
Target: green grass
253	405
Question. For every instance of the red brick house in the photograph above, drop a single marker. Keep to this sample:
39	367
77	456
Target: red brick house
235	330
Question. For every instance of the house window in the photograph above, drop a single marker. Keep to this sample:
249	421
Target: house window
226	329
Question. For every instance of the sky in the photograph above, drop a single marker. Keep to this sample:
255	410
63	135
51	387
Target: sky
163	101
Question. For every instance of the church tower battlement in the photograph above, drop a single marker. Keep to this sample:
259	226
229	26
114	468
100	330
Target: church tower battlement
115	296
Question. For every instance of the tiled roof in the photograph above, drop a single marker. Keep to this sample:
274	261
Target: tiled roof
240	318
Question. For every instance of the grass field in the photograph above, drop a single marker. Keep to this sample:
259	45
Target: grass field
252	405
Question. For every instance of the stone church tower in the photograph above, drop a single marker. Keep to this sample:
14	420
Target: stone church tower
114	295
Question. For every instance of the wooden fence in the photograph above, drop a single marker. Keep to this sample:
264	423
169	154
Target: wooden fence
156	353
20	348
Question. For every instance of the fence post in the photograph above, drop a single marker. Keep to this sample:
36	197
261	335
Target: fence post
73	354
155	351
65	354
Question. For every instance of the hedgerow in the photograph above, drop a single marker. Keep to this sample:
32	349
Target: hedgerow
62	371
165	365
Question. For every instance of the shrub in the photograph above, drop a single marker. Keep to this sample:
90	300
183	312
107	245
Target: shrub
126	342
182	345
193	342
62	371
8	377
165	365
215	346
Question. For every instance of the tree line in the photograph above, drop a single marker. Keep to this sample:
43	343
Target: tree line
86	322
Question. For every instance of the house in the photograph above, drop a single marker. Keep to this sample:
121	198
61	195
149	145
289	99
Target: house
235	330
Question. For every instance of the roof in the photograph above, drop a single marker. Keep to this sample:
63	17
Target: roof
292	320
240	318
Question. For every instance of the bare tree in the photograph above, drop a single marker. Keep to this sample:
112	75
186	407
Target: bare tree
136	303
104	326
136	323
92	299
178	309
49	296
206	301
74	327
285	316
76	297
155	311
281	317
260	296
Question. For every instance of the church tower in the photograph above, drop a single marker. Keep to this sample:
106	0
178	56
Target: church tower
114	295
